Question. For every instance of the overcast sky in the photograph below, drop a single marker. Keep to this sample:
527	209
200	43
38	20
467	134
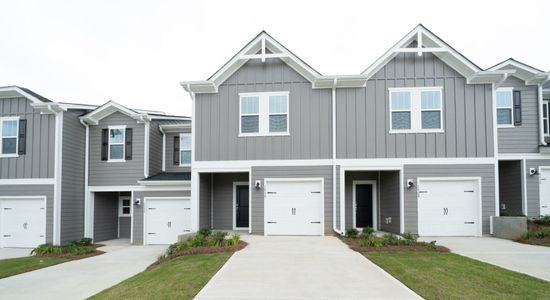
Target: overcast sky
136	52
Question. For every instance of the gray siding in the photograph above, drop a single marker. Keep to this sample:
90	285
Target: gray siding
523	138
509	178
170	167
486	172
217	117
389	201
104	173
72	183
38	162
138	210
155	148
34	190
105	216
260	173
533	183
223	198
124	227
205	201
363	114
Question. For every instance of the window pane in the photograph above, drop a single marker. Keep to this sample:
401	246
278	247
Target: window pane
545	110
431	99
277	123
504	116
249	124
125	210
250	105
116	135
545	125
400	100
185	157
125	202
431	120
185	142
278	104
504	99
9	145
116	151
401	120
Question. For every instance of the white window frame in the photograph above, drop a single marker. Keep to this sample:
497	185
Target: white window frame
511	91
16	154
181	149
121	206
263	114
416	110
547	120
123	159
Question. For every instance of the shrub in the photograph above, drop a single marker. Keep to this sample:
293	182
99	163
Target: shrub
543	220
366	232
177	247
432	245
216	239
409	238
82	242
73	248
352	233
390	239
205	231
233	239
372	241
197	240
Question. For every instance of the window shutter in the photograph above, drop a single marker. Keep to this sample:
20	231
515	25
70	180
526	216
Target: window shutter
22	147
104	144
177	150
128	150
517	108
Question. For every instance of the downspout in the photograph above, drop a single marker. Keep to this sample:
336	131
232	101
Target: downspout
541	124
334	159
194	175
86	193
163	149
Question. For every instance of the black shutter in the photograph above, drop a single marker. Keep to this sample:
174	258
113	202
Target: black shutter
22	147
176	150
517	108
104	144
128	150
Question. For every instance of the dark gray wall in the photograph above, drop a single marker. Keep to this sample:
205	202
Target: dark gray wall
104	173
170	167
38	162
533	184
363	114
486	172
348	191
205	201
223	198
523	138
124	227
217	117
260	173
509	182
105	216
155	148
34	190
389	201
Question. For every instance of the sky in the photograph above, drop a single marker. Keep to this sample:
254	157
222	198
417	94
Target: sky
136	52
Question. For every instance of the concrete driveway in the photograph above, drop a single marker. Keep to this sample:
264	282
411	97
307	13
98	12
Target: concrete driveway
301	268
6	253
81	278
528	259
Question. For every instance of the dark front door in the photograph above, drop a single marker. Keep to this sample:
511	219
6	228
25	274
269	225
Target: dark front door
363	205
241	206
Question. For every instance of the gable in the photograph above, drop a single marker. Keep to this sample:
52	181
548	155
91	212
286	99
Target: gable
271	71
410	66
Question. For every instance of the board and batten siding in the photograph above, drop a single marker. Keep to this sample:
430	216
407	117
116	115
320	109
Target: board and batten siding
104	173
525	137
38	161
223	198
363	122
261	173
217	117
485	171
533	186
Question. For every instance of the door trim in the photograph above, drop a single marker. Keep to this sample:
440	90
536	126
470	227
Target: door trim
144	205
374	203
541	168
235	184
23	198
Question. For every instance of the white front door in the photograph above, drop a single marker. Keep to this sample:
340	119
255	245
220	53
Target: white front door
448	207
544	191
166	219
22	222
294	207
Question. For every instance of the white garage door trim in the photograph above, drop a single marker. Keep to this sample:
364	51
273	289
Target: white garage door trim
541	169
145	203
307	179
23	198
419	181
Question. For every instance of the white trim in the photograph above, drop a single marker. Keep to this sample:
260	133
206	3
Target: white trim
131	217
58	167
541	128
165	182
90	118
136	188
145	147
497	190
264	114
181	135
250	187
547	104
144	205
21	92
86	192
511	107
123	143
28	181
41	197
514	156
401	201
374	202
235	184
121	206
163	149
16	136
415	109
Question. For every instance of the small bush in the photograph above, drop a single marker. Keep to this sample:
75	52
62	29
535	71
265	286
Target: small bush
177	247
352	233
432	245
366	232
372	241
409	238
81	242
205	231
543	220
197	240
216	239
233	239
74	248
390	239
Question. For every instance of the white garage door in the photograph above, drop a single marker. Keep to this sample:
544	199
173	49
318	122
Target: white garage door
166	219
22	222
448	207
545	191
294	207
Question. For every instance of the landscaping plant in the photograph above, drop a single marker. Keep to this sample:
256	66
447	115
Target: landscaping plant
73	249
352	233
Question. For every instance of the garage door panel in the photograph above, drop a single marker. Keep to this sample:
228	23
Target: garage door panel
166	219
22	222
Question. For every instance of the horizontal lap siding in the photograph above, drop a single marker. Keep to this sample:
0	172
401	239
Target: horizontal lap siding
105	216
124	227
205	200
223	198
170	166
533	185
155	148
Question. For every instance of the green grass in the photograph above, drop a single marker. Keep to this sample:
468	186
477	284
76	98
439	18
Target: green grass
14	266
179	278
435	275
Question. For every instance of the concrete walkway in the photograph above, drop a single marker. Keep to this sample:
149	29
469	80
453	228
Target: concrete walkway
301	268
6	253
81	278
528	259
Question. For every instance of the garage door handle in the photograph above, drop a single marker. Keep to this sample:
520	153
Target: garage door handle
272	192
7	208
7	235
315	192
544	206
187	208
469	191
469	222
271	222
151	208
317	222
151	233
422	192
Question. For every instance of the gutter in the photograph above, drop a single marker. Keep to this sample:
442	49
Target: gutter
334	158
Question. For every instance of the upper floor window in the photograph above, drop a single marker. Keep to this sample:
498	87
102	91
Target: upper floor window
117	136
545	118
416	109
185	149
263	114
8	142
505	107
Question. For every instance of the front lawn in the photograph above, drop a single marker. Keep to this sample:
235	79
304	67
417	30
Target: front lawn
14	266
179	278
440	275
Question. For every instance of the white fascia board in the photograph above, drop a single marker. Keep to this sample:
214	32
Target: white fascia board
540	78
48	107
514	64
339	81
67	106
175	128
109	108
22	93
487	77
199	87
137	188
186	183
28	181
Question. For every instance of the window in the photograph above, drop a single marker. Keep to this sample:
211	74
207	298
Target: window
124	205
505	107
263	114
117	135
185	149
416	110
545	117
8	143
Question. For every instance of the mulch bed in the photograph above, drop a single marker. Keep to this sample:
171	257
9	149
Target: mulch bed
74	256
201	250
534	241
418	247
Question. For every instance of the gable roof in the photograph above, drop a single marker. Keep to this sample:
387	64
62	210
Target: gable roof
525	72
17	91
105	110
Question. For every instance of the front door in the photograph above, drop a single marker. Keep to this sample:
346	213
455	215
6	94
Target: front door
363	205
241	206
